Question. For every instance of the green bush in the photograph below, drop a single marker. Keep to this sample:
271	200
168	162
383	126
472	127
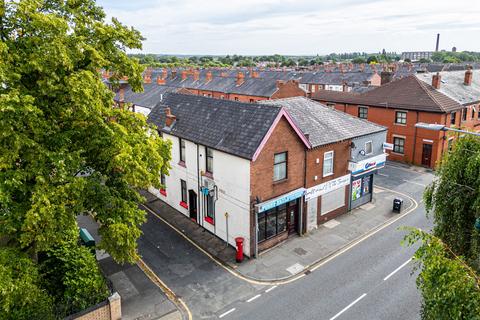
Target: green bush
21	294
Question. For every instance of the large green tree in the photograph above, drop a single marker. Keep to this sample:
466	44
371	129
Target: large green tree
454	199
64	149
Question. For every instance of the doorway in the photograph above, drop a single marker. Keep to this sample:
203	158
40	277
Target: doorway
427	155
192	204
292	217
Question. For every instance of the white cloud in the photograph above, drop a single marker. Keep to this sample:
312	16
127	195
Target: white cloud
299	26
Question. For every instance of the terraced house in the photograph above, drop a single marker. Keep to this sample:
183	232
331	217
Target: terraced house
247	169
449	98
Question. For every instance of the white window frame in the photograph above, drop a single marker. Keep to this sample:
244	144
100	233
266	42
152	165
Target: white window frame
371	147
325	155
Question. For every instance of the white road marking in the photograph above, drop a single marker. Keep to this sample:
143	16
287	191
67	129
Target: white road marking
228	312
413	182
396	270
253	298
270	289
383	174
348	307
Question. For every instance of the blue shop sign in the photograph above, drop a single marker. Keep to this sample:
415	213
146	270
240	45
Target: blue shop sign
281	200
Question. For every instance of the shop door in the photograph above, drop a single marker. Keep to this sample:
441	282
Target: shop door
192	204
427	155
292	216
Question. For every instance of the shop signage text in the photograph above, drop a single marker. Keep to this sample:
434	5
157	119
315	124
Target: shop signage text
327	187
264	206
376	162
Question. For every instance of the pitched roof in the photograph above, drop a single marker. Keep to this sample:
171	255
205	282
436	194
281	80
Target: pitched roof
151	95
229	126
322	124
452	85
408	93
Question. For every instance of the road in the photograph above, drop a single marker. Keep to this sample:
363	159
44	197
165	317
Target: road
372	280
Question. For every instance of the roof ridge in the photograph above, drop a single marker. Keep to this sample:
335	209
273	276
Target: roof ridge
425	87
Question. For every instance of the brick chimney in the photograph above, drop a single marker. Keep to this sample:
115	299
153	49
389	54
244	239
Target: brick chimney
280	83
164	74
169	117
160	80
436	80
147	78
386	77
173	74
254	74
184	75
208	76
240	78
468	77
196	75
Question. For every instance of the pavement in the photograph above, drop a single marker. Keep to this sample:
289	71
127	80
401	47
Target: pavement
140	297
297	253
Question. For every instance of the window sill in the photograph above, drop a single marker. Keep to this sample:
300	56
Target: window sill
182	164
327	175
184	204
400	124
398	154
280	181
163	192
210	220
208	175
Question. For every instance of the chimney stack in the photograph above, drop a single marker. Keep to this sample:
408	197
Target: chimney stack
196	75
240	78
160	81
468	77
254	74
438	42
147	78
164	74
169	117
173	74
208	76
280	83
184	75
386	77
436	80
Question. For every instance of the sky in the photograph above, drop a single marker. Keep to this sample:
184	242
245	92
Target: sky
299	27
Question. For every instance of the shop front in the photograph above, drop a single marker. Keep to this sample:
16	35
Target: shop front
278	218
362	179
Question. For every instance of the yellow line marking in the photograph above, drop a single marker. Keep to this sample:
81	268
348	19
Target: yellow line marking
312	267
168	292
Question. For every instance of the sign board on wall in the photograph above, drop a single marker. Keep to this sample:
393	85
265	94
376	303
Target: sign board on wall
327	187
267	205
369	164
387	146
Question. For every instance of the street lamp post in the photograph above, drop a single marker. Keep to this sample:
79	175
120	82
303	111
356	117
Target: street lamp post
441	127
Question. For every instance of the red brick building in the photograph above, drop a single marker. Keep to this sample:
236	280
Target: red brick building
402	103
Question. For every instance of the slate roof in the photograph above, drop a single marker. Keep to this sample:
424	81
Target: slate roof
151	95
233	127
452	86
322	124
408	93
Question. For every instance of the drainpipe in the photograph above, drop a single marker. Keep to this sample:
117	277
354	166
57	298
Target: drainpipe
443	137
198	185
415	140
256	232
302	202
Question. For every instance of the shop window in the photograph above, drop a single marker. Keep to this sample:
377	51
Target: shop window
363	112
183	187
453	118
280	166
332	200
327	163
401	117
209	159
182	150
210	218
398	145
368	147
272	222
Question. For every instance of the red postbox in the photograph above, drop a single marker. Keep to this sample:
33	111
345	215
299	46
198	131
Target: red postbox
239	242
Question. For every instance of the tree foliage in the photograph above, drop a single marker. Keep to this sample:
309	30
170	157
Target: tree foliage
21	294
450	289
454	199
72	276
63	149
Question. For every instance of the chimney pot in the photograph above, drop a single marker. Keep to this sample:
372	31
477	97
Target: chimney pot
196	75
385	77
240	78
169	117
147	79
173	74
468	77
436	80
160	80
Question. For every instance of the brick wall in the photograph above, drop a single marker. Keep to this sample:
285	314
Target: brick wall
288	89
109	309
341	151
283	139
